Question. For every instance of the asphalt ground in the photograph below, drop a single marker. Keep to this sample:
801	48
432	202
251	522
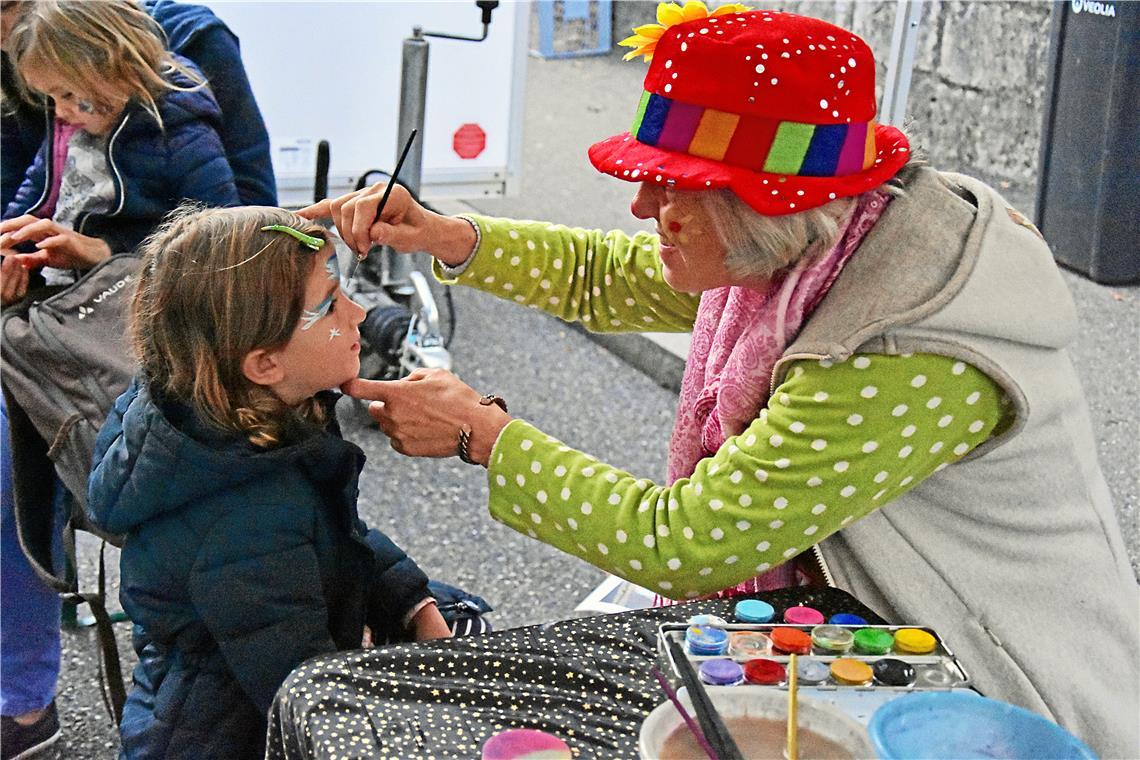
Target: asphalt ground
576	390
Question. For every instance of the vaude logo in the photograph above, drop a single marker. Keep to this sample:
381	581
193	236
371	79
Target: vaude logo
84	310
1094	7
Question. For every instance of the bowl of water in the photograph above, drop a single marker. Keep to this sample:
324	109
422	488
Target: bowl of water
757	720
965	726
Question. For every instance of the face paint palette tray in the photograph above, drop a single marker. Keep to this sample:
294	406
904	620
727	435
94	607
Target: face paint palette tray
856	668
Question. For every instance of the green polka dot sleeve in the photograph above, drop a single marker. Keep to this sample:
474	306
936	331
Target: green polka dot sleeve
836	442
610	282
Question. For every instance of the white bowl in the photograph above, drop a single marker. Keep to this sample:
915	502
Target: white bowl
733	701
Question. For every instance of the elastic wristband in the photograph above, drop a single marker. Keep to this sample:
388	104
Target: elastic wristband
454	271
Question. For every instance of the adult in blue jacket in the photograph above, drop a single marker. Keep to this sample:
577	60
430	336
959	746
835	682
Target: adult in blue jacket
21	133
192	31
199	505
195	32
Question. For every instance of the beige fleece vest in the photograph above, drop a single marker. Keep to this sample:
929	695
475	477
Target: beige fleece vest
1014	554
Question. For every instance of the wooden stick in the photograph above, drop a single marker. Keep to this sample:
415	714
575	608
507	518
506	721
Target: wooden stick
792	676
692	724
714	729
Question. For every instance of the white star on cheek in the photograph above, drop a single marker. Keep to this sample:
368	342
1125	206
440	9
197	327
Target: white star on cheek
333	333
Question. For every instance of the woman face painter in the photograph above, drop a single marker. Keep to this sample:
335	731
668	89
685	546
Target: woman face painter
877	393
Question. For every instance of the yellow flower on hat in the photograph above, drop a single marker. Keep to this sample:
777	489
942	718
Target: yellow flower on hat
644	38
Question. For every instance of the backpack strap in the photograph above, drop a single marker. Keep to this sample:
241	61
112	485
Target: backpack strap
110	666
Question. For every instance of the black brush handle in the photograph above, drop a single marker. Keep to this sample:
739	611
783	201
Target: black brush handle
395	174
321	181
711	724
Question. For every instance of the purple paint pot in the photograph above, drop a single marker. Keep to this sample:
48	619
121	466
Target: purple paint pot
721	672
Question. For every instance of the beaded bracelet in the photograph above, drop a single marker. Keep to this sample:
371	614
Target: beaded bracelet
465	434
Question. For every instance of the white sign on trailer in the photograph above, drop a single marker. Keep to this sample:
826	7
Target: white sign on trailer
331	71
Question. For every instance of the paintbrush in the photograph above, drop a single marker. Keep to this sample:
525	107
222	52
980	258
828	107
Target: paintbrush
713	727
384	199
792	676
669	692
395	173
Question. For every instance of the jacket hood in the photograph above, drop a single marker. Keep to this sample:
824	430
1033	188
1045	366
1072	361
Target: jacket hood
154	458
176	107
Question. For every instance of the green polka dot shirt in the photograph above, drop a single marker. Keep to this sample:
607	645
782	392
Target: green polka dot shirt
835	442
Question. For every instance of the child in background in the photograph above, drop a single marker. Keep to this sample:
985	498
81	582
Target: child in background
224	467
135	132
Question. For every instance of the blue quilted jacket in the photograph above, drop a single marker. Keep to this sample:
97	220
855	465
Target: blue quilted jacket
239	564
154	169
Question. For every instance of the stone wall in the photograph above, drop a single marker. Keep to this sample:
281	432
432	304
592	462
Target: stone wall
978	86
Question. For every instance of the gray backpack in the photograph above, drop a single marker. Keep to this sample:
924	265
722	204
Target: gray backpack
65	361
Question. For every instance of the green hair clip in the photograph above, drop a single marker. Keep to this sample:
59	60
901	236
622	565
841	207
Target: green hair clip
312	242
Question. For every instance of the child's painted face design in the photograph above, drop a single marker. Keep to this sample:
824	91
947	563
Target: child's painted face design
311	361
81	110
309	317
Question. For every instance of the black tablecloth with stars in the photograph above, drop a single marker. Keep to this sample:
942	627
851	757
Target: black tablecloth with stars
586	680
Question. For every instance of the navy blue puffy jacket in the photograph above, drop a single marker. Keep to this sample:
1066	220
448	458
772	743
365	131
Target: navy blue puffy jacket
239	564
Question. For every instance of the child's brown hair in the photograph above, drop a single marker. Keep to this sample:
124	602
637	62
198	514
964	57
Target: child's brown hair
111	49
213	288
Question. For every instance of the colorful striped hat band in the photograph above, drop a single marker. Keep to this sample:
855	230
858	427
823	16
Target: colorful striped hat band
754	142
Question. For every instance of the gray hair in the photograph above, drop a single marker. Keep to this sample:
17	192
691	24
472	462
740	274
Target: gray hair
758	246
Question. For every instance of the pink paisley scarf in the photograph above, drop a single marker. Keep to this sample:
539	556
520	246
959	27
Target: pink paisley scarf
738	337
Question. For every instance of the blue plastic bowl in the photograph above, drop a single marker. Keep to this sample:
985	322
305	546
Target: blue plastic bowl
964	726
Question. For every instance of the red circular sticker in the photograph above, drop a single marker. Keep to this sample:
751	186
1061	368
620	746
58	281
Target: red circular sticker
469	141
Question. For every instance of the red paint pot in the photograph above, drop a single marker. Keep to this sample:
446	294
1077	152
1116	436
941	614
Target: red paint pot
764	672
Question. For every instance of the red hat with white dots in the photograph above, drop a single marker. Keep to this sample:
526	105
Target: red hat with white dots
778	108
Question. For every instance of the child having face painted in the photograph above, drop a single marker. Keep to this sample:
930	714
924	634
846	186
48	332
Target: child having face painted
224	467
134	131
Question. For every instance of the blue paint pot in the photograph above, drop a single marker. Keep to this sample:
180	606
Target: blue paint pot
846	618
753	611
965	726
705	641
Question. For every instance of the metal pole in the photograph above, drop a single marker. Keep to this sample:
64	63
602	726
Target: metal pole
900	64
413	101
